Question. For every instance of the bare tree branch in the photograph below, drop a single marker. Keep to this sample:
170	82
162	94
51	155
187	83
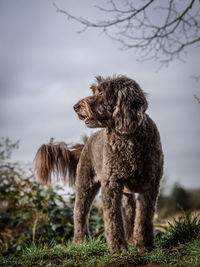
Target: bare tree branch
197	98
159	30
196	78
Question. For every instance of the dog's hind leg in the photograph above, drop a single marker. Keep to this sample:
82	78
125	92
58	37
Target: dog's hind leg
144	229
128	212
112	204
86	190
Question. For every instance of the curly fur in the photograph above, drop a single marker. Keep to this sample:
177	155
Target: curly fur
123	158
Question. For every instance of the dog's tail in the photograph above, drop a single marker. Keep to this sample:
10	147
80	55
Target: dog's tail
57	159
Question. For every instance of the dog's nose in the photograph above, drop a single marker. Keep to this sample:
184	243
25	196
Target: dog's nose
76	107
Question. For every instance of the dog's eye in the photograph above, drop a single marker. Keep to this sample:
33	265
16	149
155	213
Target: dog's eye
100	93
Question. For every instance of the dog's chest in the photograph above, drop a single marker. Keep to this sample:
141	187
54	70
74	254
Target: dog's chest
121	158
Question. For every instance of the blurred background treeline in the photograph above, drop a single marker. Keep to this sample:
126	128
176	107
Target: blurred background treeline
33	214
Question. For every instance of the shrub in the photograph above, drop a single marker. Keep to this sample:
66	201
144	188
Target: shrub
184	229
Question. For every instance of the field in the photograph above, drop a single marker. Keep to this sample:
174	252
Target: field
178	244
95	253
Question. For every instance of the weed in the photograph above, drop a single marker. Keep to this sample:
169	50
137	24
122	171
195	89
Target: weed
182	230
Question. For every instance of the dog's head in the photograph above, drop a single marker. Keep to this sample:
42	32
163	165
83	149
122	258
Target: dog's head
117	103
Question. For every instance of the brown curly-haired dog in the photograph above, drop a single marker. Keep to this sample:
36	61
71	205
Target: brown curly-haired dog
123	158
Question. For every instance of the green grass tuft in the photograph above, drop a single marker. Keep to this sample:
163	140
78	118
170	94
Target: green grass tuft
91	246
192	254
193	248
181	231
157	255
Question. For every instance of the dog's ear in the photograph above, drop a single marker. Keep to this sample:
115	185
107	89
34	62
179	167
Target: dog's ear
130	107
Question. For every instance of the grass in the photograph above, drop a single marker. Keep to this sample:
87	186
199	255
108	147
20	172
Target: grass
179	231
95	253
177	245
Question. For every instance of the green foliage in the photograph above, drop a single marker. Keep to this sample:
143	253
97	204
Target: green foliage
192	254
30	213
89	247
182	230
194	248
157	255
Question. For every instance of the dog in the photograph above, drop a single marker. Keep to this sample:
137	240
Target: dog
123	158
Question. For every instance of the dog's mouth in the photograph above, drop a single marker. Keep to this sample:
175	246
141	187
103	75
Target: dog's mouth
87	120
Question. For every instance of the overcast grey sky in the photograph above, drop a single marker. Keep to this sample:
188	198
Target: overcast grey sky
45	67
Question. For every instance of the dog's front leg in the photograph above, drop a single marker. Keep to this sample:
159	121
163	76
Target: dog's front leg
112	201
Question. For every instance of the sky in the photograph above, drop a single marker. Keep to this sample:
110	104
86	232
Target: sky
46	67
